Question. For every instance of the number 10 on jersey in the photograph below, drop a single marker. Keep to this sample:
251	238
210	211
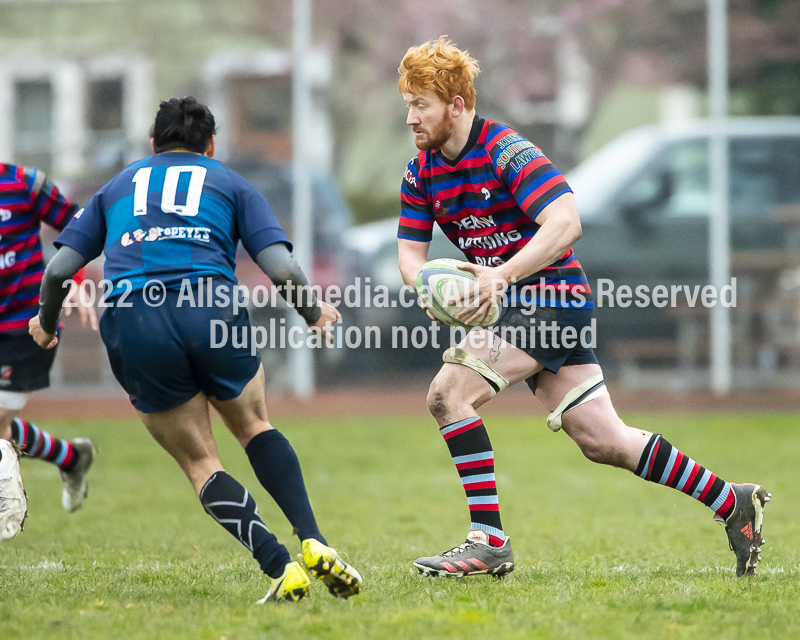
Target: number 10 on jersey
168	193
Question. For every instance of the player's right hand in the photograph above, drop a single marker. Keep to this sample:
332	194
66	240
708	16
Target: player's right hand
324	325
40	336
423	302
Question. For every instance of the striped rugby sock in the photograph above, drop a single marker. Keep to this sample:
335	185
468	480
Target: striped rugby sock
472	453
34	442
664	464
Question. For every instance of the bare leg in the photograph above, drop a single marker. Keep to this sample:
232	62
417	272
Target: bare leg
594	426
246	415
6	416
185	433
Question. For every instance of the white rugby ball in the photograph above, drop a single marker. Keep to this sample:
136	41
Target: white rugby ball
440	284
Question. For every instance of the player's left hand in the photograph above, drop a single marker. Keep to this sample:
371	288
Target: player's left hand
479	301
86	312
40	336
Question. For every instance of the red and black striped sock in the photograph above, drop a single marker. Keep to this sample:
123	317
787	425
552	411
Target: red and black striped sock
664	464
34	442
472	453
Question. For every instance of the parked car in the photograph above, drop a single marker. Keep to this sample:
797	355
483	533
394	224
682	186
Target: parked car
644	202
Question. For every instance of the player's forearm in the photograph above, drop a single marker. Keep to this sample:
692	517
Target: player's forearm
280	265
64	265
412	256
409	268
555	237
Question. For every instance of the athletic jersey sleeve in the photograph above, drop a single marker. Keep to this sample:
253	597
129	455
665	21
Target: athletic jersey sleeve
86	232
416	215
256	222
530	177
48	204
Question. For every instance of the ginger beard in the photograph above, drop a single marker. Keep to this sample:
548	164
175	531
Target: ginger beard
435	134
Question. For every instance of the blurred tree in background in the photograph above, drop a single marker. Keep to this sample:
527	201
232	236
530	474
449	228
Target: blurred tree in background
649	44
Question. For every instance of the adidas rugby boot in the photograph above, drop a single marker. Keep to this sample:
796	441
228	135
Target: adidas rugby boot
292	585
325	564
472	558
13	501
75	486
743	526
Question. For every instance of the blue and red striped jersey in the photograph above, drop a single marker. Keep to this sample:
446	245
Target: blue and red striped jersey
486	202
27	199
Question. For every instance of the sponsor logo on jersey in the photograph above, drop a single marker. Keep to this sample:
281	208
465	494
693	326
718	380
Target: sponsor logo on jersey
486	194
499	239
5	215
5	375
488	261
507	140
152	234
522	150
409	177
8	259
475	222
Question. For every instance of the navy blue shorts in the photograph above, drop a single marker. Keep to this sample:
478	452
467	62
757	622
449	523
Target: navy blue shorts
524	331
162	356
24	365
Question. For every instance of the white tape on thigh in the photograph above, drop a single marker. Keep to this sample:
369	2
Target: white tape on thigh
13	400
554	419
455	355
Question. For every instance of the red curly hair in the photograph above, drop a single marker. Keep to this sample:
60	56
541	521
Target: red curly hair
443	68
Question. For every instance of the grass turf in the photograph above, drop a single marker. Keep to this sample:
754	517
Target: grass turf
599	553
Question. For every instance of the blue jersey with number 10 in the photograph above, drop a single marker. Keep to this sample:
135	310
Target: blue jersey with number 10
172	217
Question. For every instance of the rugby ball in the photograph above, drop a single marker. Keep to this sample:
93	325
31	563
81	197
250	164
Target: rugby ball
440	284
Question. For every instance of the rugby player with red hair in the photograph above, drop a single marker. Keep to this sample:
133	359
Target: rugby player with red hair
498	198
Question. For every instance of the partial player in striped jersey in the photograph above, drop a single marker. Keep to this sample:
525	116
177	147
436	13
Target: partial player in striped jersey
501	201
28	200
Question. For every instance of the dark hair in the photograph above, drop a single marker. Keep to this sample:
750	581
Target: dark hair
182	123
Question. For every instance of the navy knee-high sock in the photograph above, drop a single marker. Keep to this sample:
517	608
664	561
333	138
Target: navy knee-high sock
230	504
278	470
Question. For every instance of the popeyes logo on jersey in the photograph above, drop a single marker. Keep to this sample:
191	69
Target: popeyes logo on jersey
203	234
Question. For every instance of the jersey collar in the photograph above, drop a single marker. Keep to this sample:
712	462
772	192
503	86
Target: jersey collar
475	135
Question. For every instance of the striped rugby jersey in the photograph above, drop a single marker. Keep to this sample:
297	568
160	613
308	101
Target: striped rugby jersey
486	202
27	199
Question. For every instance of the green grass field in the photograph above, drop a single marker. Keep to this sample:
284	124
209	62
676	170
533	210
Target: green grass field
599	553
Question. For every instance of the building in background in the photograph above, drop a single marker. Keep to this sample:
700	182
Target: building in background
80	83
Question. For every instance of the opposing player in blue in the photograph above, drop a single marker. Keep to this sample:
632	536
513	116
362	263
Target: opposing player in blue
169	226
